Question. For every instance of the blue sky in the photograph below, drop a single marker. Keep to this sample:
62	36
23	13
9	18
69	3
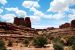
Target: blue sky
43	13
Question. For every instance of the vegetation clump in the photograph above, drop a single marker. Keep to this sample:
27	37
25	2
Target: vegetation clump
40	41
58	44
2	45
26	42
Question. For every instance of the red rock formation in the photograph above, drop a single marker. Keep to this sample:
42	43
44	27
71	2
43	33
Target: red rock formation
19	21
6	26
16	20
61	26
27	22
50	28
3	25
66	25
73	23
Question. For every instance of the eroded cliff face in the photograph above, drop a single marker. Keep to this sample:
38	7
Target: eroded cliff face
73	23
18	21
27	22
66	25
24	22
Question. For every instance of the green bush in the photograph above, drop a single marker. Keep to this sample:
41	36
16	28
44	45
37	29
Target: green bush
57	47
58	44
55	40
73	47
2	47
26	42
71	41
40	41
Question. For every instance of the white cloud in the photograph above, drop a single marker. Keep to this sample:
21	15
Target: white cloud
56	16
1	10
71	16
50	16
35	19
40	14
12	9
40	26
20	13
30	4
36	12
60	5
7	18
3	2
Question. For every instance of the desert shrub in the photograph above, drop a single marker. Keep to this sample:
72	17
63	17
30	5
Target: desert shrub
73	47
57	47
2	45
71	41
58	44
40	41
26	42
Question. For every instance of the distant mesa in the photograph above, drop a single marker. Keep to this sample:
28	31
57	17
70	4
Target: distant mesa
26	22
73	23
2	23
50	28
66	25
19	23
23	21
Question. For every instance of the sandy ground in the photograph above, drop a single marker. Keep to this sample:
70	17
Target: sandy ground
24	48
